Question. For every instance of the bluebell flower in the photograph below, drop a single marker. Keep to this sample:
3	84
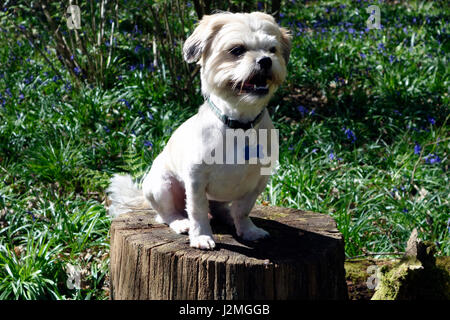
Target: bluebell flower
432	159
405	210
148	143
431	120
363	56
77	71
417	148
126	103
350	134
106	129
331	155
302	110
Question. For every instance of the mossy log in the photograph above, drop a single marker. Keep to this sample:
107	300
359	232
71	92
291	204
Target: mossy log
303	259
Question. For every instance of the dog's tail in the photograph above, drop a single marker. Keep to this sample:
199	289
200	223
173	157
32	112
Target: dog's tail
125	196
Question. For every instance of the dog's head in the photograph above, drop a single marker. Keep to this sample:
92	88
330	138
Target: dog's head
243	56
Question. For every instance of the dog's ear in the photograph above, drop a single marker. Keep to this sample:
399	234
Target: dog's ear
198	42
286	44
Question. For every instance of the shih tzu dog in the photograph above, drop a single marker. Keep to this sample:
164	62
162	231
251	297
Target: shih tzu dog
243	58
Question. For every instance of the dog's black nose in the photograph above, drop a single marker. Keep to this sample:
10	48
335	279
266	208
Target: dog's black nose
265	63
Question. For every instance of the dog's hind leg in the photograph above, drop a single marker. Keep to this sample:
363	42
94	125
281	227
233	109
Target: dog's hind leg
167	196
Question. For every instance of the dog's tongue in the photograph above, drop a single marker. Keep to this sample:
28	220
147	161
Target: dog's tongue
254	85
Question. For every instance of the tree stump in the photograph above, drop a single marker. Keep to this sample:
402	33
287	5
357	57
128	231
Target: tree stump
303	259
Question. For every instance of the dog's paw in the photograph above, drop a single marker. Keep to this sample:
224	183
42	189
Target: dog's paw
202	242
254	233
180	226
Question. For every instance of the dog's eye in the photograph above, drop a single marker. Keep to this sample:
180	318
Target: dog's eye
237	51
273	50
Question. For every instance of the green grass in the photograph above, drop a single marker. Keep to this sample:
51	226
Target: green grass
363	121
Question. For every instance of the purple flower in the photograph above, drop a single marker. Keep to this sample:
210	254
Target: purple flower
363	56
350	134
137	48
417	148
351	30
148	143
302	110
391	58
77	70
21	96
126	103
432	159
431	120
331	155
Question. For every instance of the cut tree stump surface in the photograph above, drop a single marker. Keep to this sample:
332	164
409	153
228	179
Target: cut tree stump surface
302	259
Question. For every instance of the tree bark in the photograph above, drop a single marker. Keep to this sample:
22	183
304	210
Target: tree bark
302	259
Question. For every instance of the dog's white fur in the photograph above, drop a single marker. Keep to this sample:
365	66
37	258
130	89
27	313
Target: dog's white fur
178	181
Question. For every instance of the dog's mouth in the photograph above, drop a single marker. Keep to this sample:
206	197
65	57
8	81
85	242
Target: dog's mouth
257	84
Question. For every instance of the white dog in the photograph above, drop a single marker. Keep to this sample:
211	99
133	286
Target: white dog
243	58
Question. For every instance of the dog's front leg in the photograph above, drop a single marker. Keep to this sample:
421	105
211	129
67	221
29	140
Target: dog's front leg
245	228
200	233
